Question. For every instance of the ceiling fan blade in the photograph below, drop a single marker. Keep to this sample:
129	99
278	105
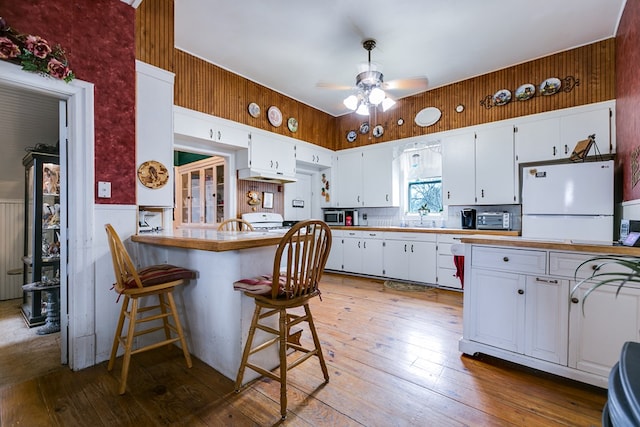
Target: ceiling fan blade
333	86
414	83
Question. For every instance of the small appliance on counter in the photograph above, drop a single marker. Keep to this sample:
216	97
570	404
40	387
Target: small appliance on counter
493	221
468	218
352	218
334	217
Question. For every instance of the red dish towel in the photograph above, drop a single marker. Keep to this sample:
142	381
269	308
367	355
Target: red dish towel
458	260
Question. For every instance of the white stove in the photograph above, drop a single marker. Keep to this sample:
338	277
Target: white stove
265	221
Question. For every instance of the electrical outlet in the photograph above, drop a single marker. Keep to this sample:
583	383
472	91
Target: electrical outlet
104	190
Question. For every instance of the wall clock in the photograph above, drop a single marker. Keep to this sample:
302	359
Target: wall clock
153	174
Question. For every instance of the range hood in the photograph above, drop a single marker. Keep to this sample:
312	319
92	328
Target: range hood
249	174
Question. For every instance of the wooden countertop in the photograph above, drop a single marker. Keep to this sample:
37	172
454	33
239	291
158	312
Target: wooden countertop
437	230
210	240
564	245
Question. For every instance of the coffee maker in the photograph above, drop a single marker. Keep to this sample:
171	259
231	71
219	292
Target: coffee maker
468	218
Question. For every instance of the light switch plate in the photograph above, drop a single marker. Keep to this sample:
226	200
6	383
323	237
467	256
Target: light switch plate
104	190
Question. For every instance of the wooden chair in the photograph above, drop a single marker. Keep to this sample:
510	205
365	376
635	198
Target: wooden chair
235	224
158	280
304	249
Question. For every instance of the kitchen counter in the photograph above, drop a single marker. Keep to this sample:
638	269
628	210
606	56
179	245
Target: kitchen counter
565	245
437	230
210	240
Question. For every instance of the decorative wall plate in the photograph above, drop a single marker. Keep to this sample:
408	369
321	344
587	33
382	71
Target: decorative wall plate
153	174
292	124
428	116
501	97
352	135
364	128
550	86
378	131
275	116
254	110
526	91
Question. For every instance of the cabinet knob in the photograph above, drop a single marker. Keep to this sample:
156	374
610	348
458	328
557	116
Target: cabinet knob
505	259
566	149
405	247
211	133
448	194
412	248
575	300
554	150
482	193
520	291
219	136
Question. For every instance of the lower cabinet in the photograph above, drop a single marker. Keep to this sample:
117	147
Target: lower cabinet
446	270
410	256
518	306
363	252
334	262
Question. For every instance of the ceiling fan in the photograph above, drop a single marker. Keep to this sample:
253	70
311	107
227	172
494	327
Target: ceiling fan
370	87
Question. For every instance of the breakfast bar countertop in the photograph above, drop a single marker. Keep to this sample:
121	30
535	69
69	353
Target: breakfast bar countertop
210	239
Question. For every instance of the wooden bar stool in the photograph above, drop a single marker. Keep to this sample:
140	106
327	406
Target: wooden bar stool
158	280
305	249
235	224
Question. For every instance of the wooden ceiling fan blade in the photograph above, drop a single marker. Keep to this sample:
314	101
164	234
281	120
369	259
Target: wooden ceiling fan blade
414	83
333	86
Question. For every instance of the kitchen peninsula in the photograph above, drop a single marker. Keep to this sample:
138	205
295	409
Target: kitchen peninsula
216	318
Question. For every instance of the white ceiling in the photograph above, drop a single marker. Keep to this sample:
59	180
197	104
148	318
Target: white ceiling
291	45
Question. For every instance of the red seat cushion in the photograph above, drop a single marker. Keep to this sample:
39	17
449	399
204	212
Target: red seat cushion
161	273
260	285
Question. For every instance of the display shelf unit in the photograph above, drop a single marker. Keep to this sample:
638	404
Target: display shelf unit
41	260
200	193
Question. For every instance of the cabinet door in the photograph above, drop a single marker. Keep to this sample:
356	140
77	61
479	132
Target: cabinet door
316	157
537	140
272	155
422	262
352	255
496	315
231	136
379	183
372	256
334	262
349	185
495	167
596	335
396	259
458	169
547	319
579	126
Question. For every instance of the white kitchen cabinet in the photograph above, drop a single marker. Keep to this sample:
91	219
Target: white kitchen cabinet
517	312
268	154
230	135
608	321
194	125
538	140
363	252
578	126
446	269
154	130
312	156
334	262
495	166
410	256
458	169
367	178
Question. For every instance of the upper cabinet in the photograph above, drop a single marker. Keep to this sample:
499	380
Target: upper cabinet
367	178
554	135
194	125
459	169
312	156
268	158
154	131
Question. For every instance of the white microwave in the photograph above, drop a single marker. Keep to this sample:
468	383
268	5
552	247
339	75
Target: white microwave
334	217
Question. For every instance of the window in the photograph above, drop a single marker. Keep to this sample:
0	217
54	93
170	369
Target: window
425	194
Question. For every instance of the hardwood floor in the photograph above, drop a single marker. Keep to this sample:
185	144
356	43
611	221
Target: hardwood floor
393	360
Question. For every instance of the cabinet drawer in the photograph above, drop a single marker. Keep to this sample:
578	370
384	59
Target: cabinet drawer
518	260
409	236
565	264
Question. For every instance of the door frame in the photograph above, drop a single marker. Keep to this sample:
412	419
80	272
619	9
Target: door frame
77	301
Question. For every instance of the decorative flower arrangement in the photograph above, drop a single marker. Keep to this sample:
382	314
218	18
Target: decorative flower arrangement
34	53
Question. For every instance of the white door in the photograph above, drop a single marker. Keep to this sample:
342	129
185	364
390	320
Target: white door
495	172
378	178
372	256
297	198
537	140
349	182
422	262
396	259
458	169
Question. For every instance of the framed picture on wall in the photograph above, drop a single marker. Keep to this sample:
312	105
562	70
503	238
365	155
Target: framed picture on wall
267	200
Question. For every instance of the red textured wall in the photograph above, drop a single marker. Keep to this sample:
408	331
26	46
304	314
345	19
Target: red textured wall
99	38
628	98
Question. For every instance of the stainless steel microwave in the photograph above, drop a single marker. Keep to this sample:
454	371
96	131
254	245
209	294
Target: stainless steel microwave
334	217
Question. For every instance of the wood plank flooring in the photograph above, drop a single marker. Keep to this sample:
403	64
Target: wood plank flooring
392	356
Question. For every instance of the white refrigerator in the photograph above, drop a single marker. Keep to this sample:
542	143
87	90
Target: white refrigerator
572	201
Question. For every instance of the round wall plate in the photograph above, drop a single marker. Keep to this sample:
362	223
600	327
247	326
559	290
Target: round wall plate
153	174
292	124
459	108
275	116
351	136
428	116
254	110
378	131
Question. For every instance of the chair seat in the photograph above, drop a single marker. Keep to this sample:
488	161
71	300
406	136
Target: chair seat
161	273
260	285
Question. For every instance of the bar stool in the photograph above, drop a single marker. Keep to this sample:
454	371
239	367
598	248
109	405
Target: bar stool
157	280
235	224
305	249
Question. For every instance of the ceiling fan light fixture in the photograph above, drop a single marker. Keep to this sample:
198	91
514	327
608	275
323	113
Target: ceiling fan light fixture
376	96
363	109
387	103
351	102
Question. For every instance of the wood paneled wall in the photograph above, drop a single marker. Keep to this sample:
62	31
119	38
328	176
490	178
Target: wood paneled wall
207	88
261	187
593	65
